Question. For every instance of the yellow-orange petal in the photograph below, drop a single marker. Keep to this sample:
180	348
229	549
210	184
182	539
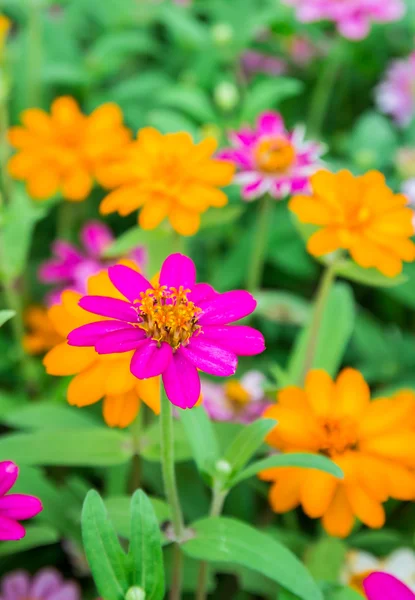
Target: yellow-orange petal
352	394
77	185
118	377
320	389
293	397
285	494
338	519
149	392
153	213
323	242
121	410
88	386
68	360
385	414
365	507
19	137
37	121
371	476
106	116
127	198
398	446
369	254
310	209
295	430
317	492
43	184
199	198
401	480
214	172
22	165
324	185
65	113
185	222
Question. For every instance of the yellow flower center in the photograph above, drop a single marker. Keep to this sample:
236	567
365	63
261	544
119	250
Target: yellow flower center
356	581
236	393
337	435
274	155
166	315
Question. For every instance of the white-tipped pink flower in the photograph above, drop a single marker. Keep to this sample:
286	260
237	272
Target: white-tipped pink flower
395	96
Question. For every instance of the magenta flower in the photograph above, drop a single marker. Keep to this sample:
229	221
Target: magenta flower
395	95
271	159
70	268
254	62
382	586
352	17
174	328
47	584
14	507
240	401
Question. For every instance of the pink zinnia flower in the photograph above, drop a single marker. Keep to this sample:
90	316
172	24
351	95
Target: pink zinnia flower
70	268
47	584
395	96
271	159
352	17
240	401
175	328
14	507
382	586
254	62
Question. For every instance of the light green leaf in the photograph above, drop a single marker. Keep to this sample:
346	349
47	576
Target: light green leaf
150	443
36	536
190	100
220	539
294	459
5	315
372	277
282	307
215	217
145	553
269	93
118	508
373	141
202	439
48	415
325	559
105	556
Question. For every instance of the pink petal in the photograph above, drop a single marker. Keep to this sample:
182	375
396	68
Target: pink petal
140	256
67	591
208	357
150	360
53	271
240	339
178	270
9	472
67	252
45	582
123	340
96	237
382	586
226	308
270	123
203	291
19	506
89	334
181	381
15	585
253	189
239	157
11	530
109	307
127	281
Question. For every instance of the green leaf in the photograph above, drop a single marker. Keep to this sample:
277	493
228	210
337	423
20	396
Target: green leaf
282	307
269	93
202	439
36	536
373	142
325	559
150	443
5	315
48	415
192	101
247	442
344	593
334	333
81	447
118	508
215	217
145	551
294	459
220	539
105	556
372	277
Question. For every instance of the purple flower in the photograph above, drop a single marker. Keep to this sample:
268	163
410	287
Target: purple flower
47	584
240	401
254	62
271	159
352	17
70	268
395	95
174	328
14	507
382	586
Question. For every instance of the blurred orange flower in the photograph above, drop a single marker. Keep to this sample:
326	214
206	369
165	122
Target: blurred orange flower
361	215
41	335
372	442
5	25
98	376
63	151
167	176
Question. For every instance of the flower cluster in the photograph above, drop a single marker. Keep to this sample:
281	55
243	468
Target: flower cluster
47	584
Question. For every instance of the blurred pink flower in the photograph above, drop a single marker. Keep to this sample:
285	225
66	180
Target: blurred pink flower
303	51
70	267
241	401
253	62
47	584
14	507
271	159
352	17
382	586
395	96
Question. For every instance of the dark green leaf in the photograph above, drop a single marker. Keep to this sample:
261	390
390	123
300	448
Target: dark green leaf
36	536
119	511
202	438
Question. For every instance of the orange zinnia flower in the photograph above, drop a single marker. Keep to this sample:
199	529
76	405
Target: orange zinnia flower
5	25
372	442
361	215
98	376
41	335
167	176
65	150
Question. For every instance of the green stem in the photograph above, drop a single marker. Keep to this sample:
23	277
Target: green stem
218	500
256	267
136	428
170	488
317	316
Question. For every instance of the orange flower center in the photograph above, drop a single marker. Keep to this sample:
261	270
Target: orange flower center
356	581
337	435
166	315
274	155
236	393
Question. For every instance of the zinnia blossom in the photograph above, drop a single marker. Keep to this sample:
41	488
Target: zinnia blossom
361	215
41	334
381	586
353	18
254	62
173	329
97	377
70	268
359	564
14	507
372	442
272	160
240	401
64	151
395	95
166	176
47	584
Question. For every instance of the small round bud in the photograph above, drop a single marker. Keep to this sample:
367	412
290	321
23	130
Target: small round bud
222	467
135	593
226	95
222	34
365	158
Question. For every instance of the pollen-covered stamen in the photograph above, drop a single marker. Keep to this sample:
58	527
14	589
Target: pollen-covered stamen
337	435
166	315
274	155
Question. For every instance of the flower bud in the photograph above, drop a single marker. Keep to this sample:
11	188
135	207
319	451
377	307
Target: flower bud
222	467
226	95
222	34
135	593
